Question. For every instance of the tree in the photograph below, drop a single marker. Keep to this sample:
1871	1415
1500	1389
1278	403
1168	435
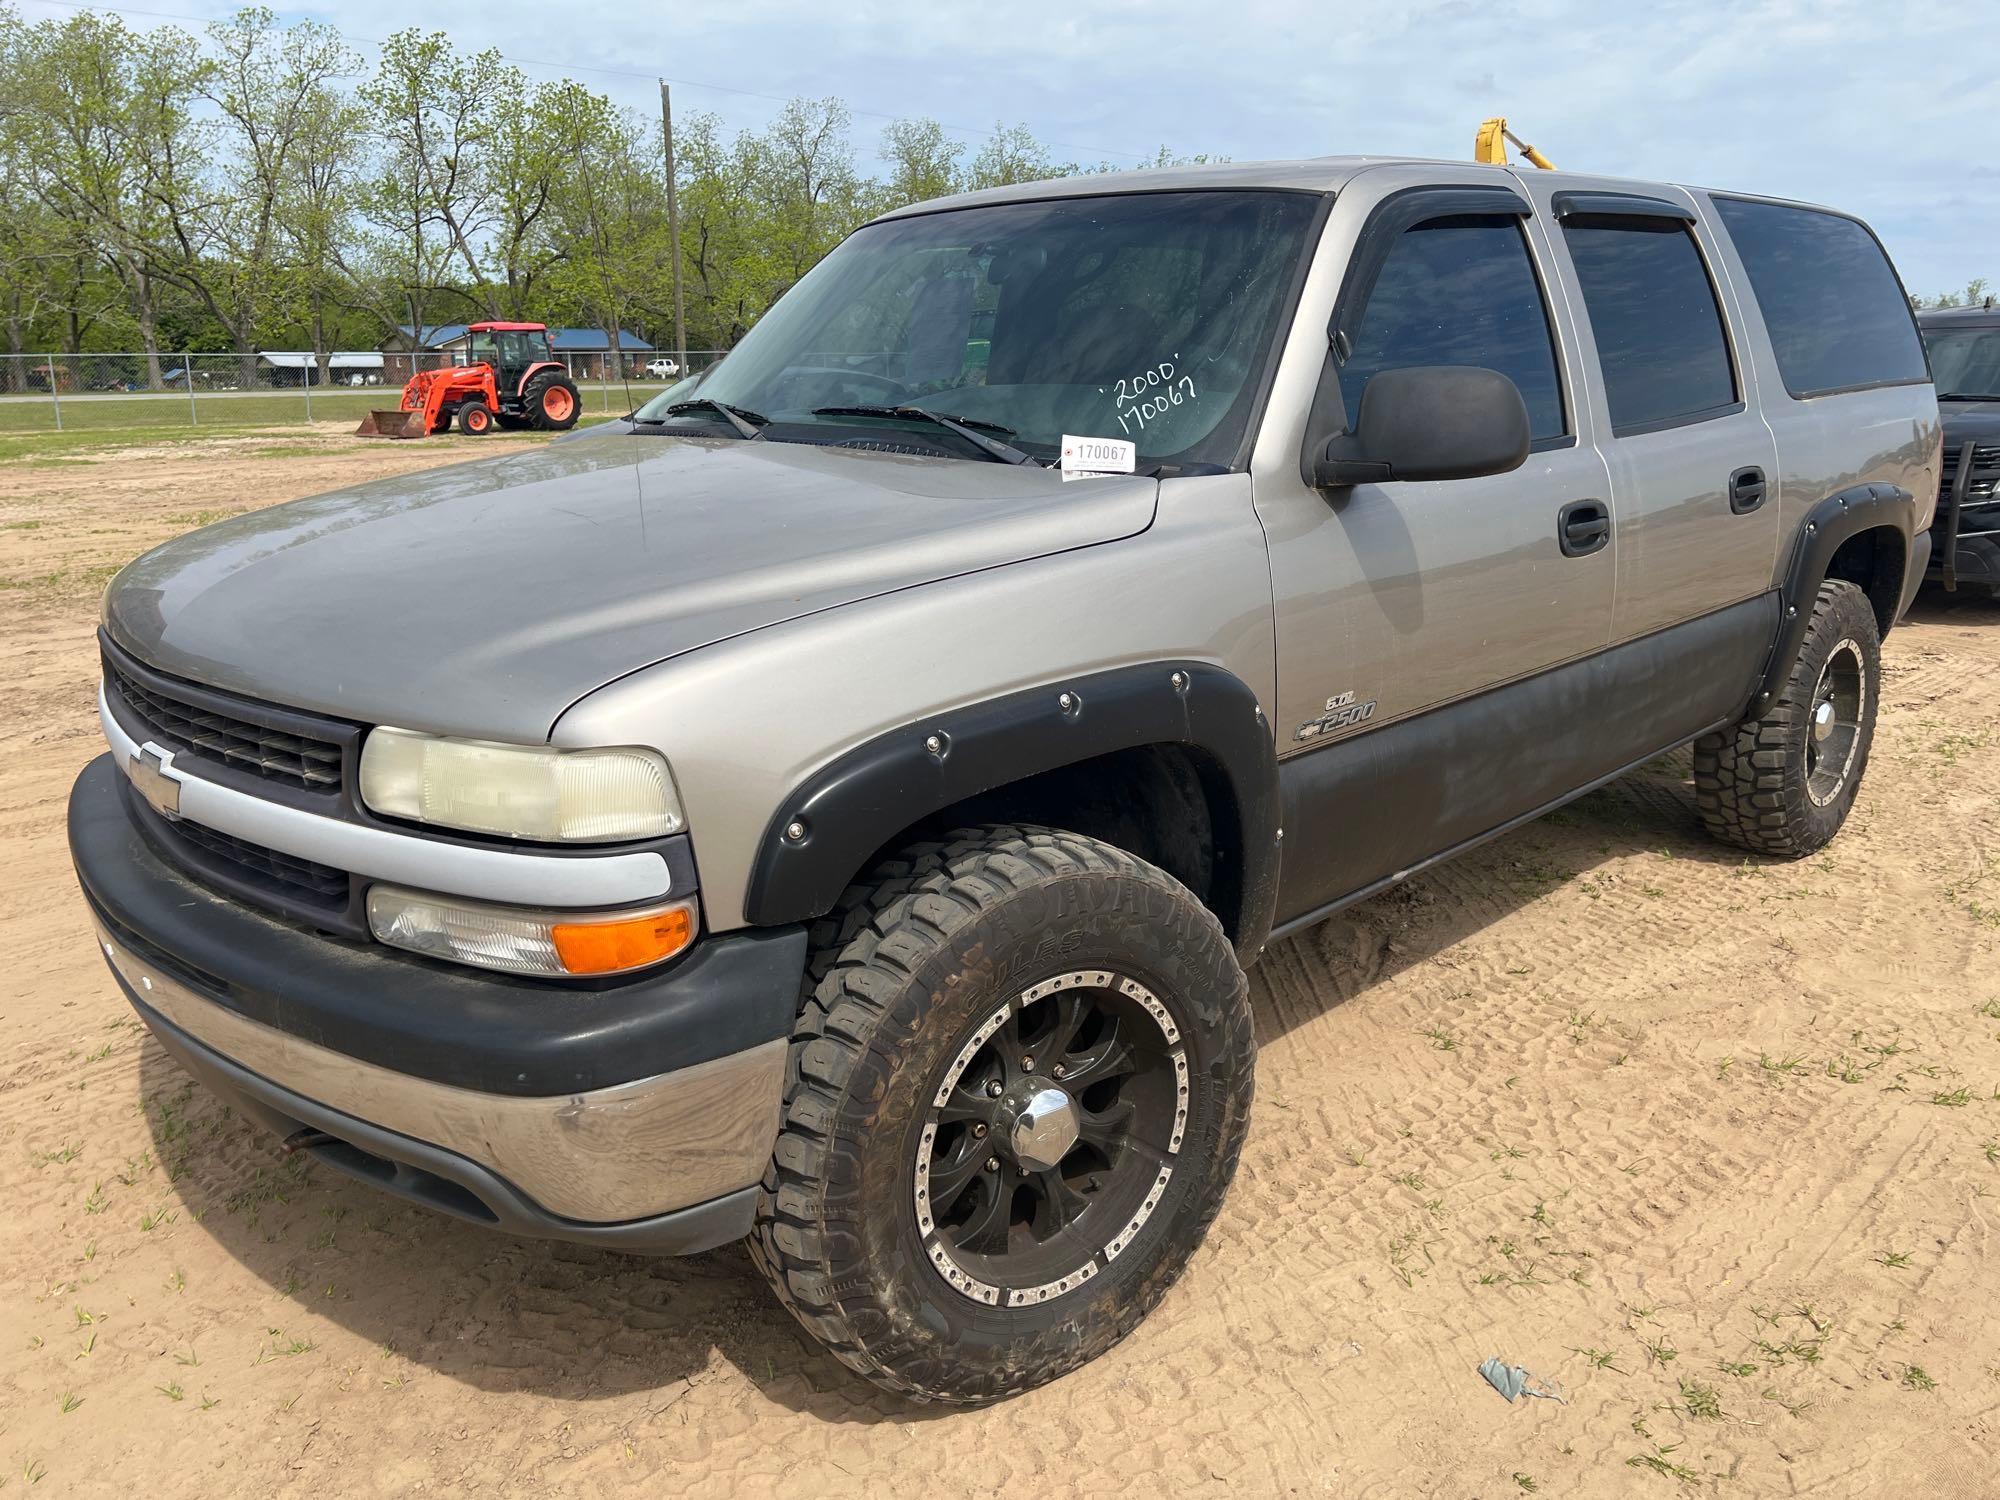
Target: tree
1012	154
923	162
431	196
232	237
113	150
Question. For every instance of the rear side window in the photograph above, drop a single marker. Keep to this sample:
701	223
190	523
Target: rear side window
1838	316
1658	327
1459	291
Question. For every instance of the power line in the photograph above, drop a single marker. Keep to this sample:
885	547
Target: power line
573	67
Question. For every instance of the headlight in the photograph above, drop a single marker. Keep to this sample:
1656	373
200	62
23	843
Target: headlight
519	941
532	792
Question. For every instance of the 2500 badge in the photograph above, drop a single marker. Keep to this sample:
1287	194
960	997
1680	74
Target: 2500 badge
1342	712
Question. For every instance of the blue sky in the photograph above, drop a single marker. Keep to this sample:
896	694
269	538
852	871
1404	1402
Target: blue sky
1877	109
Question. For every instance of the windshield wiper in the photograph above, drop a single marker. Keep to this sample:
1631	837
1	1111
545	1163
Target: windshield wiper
748	424
1969	395
965	427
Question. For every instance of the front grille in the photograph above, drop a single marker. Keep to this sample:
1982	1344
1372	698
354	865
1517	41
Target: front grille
282	875
1984	457
206	731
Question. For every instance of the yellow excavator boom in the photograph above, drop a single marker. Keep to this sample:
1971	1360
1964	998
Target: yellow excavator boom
1490	146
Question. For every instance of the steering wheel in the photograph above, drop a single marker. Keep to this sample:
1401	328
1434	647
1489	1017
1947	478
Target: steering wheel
895	390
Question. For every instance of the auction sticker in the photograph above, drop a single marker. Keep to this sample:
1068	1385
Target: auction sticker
1096	455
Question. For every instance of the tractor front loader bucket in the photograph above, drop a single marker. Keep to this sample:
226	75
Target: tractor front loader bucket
393	423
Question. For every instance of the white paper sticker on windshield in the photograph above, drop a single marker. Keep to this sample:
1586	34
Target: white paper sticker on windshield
1095	455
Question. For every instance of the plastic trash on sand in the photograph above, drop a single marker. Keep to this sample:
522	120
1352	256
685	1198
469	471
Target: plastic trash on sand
1513	1382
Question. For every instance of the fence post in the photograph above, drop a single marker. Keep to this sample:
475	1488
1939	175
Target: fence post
54	397
309	388
187	370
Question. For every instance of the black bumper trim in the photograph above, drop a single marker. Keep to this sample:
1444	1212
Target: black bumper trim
477	1030
440	1179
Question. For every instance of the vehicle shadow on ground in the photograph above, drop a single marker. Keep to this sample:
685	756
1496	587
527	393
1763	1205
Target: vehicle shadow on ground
1650	811
505	1315
1934	606
498	1314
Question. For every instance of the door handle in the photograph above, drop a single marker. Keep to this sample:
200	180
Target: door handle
1746	490
1583	527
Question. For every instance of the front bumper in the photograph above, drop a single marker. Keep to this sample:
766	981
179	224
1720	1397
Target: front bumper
1977	561
637	1115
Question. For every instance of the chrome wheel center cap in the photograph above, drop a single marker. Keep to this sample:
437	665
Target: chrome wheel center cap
1044	1130
1822	721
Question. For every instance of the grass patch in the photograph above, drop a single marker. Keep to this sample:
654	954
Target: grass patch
1660	1461
1701	1401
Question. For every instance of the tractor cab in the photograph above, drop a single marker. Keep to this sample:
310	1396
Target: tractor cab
512	349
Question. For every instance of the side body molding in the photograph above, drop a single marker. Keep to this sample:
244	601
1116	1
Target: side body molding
1864	507
857	803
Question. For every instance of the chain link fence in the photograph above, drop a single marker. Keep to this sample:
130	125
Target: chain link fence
79	392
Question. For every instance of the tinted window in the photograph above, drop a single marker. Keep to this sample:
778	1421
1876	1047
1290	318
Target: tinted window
1459	291
1653	312
1837	315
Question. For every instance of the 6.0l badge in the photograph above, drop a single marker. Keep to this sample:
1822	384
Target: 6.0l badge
1342	712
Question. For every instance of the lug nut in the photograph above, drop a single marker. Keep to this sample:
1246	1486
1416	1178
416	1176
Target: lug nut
992	1163
1027	1065
1059	1071
995	1089
979	1132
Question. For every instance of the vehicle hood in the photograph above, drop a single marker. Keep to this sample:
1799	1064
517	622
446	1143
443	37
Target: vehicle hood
1969	421
485	598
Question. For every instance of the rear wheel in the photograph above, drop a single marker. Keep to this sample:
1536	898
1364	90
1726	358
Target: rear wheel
1783	783
551	402
1017	1095
475	419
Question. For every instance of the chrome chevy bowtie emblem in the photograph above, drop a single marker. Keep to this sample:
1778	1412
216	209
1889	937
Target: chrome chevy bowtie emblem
148	770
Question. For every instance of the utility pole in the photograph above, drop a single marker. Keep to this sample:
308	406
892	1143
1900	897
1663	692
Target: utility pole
674	234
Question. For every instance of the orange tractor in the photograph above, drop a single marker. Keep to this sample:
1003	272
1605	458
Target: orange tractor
512	380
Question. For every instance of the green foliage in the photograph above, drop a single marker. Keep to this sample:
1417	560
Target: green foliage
235	192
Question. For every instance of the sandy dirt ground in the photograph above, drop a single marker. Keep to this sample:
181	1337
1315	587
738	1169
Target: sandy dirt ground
1713	1143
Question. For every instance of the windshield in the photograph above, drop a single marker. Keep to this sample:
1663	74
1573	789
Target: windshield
1142	316
1965	361
509	349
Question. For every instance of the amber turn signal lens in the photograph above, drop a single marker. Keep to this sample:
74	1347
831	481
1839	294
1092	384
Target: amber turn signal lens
632	943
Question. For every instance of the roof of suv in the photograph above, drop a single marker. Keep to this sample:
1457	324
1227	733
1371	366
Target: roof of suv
1318	174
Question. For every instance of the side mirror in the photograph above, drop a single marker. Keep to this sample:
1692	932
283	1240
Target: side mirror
1430	422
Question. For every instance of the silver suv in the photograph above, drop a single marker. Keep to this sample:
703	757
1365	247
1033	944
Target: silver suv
768	818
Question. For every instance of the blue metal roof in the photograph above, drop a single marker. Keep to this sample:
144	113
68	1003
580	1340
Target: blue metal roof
433	334
589	340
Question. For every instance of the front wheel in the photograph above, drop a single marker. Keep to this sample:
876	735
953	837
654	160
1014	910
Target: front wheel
1783	784
1017	1096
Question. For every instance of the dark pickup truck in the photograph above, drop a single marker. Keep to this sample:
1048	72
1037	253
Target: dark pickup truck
1965	359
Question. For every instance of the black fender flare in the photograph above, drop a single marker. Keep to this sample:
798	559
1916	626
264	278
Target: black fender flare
1864	507
825	829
